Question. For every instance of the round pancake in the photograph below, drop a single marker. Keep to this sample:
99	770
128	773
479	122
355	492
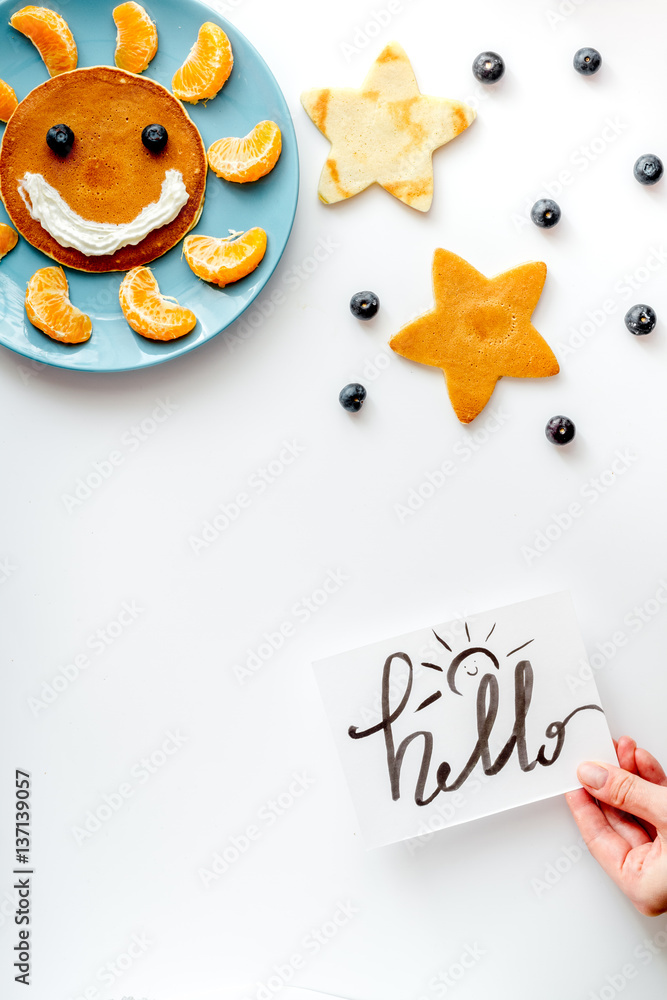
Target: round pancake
109	175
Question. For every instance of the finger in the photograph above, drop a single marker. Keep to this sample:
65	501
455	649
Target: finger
631	830
650	829
608	847
649	768
576	799
625	750
627	791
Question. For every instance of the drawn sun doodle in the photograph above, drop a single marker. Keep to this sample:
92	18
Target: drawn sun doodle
474	661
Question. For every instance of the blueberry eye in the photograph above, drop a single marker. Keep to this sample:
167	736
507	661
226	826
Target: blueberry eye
154	137
60	139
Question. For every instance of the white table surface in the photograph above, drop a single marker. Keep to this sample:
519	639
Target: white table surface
497	908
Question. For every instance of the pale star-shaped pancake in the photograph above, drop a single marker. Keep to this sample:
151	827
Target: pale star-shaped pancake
384	133
479	330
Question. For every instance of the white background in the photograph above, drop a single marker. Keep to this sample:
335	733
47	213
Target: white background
481	887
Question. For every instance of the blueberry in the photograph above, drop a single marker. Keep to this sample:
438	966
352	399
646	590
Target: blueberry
640	320
545	213
488	67
364	305
648	169
60	139
154	137
560	430
352	397
587	61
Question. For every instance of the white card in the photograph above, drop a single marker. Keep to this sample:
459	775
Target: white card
467	718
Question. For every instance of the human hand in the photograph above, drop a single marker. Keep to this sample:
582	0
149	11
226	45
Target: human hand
622	815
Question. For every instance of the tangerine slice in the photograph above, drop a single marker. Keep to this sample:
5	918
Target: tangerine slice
50	34
222	261
136	37
50	310
150	313
249	158
8	102
8	239
208	65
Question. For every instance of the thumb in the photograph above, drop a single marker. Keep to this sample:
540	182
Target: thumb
625	791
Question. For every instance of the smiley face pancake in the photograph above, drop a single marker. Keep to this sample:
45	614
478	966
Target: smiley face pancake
113	201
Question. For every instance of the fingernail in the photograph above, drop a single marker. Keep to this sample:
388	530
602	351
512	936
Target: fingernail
592	775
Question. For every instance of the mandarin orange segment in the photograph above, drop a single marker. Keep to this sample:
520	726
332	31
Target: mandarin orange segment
136	37
8	239
150	313
50	310
249	158
208	65
50	34
8	102
222	261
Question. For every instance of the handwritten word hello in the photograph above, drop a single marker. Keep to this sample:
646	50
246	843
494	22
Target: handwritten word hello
488	697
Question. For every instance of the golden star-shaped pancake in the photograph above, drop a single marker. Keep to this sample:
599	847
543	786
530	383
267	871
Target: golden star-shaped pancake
384	133
479	330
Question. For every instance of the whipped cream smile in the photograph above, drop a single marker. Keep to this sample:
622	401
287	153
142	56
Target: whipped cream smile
94	239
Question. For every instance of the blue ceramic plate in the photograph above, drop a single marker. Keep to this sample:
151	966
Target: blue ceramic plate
250	95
